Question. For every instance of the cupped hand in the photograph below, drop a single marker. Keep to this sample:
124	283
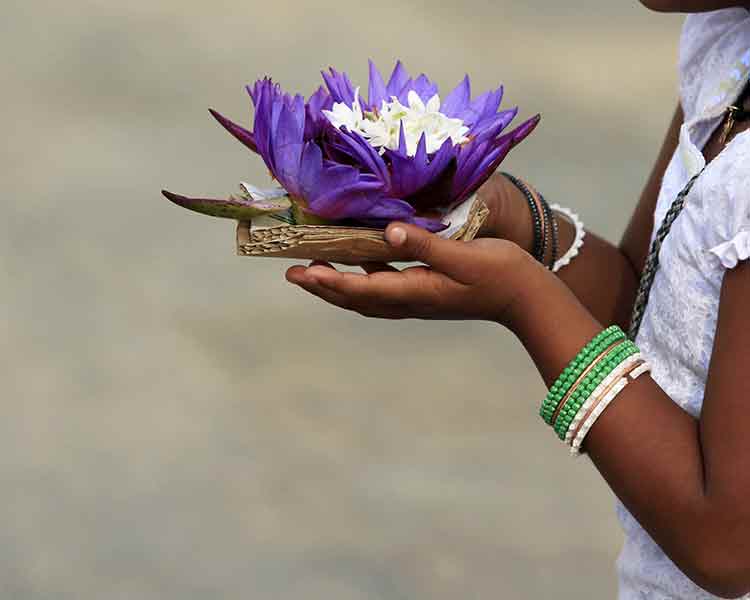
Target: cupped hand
481	279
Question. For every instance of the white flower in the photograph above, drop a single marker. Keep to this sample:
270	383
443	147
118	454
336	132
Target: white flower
382	129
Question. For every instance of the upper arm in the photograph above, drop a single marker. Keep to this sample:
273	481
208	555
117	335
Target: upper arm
635	241
724	427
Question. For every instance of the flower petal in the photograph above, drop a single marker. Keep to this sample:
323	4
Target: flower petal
264	101
368	157
231	208
287	143
425	88
398	80
340	87
491	127
239	132
411	177
483	107
377	91
457	101
484	170
315	121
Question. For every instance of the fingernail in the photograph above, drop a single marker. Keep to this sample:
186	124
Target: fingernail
396	236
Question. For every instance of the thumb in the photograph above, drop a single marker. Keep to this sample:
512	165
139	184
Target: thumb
415	243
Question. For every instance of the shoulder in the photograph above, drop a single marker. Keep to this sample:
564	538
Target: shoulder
714	53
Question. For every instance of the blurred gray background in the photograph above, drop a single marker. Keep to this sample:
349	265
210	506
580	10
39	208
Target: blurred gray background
179	423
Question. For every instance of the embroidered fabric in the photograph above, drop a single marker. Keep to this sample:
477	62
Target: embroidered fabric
733	251
711	235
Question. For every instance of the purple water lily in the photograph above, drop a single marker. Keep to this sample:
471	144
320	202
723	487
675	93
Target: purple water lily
401	154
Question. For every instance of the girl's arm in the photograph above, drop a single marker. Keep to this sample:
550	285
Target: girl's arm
686	481
599	260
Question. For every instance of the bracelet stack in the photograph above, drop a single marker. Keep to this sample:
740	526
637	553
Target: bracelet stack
546	227
539	218
590	383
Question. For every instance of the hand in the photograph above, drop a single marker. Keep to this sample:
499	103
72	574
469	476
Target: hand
482	279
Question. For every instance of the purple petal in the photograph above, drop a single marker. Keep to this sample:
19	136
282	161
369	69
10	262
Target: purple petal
315	120
484	170
491	127
262	126
403	93
484	106
340	87
239	132
457	101
424	87
377	87
344	201
402	147
254	90
364	154
287	144
311	164
410	176
398	80
467	162
377	207
521	132
479	159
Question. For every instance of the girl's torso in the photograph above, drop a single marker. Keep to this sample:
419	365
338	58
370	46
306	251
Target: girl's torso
711	234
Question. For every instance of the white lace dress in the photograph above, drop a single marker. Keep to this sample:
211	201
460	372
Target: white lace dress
711	235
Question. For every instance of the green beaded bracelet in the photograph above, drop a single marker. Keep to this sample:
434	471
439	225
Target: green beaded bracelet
583	391
577	366
573	372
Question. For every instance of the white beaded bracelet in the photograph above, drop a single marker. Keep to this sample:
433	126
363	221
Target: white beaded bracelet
603	405
596	395
572	252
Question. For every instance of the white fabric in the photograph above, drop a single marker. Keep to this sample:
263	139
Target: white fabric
711	234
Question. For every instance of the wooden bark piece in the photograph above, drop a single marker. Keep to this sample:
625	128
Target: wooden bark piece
345	245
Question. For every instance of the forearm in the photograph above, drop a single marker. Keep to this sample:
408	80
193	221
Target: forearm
647	448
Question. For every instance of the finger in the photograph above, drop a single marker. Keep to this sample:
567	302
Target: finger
330	296
383	286
296	274
411	288
345	302
448	256
377	267
299	273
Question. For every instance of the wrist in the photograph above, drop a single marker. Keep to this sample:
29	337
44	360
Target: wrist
509	217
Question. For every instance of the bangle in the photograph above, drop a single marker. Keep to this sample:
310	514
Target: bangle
577	366
575	248
604	351
546	214
622	369
606	400
540	240
605	365
553	230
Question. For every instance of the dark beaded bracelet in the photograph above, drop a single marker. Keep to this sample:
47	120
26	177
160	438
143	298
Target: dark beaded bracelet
554	231
540	245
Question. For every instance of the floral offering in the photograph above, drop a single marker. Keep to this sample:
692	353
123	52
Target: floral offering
401	154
